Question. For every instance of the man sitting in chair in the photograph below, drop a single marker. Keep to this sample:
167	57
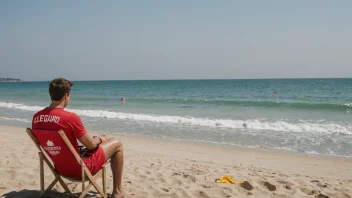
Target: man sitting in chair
100	149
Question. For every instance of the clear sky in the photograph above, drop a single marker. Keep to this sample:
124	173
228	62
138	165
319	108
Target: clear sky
183	39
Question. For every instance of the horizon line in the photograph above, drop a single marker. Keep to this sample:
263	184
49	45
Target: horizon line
199	79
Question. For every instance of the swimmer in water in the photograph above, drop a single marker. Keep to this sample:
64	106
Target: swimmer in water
244	125
123	100
275	92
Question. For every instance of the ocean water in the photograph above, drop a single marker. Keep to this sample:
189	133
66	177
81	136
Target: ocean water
312	116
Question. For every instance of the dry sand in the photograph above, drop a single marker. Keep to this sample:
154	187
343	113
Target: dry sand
173	169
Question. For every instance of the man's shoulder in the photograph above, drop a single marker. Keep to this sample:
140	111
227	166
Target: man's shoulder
40	112
70	115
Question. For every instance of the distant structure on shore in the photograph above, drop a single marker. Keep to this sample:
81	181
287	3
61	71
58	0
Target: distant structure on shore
10	80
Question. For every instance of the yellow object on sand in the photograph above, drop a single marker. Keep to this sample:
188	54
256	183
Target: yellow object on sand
226	179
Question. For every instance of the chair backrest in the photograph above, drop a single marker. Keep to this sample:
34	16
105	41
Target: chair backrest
59	149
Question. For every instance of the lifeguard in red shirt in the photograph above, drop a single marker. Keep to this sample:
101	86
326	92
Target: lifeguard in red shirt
55	118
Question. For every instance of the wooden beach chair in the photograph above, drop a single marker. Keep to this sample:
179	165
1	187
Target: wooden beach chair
59	144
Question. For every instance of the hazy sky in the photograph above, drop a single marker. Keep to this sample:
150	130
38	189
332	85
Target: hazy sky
182	39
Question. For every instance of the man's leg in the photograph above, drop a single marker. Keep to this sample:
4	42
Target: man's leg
113	149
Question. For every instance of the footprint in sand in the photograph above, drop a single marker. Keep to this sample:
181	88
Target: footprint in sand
315	181
204	186
287	185
200	193
190	178
176	182
165	190
322	196
246	185
310	192
143	176
269	186
322	185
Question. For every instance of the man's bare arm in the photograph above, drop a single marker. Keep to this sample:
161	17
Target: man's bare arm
89	142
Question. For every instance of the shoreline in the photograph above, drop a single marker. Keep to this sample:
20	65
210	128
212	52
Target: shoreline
215	144
235	146
155	168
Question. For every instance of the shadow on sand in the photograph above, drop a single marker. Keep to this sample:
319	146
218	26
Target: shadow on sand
36	193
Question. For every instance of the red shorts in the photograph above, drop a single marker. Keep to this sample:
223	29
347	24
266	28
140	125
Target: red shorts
94	160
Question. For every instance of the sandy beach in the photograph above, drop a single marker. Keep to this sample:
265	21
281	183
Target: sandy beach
174	169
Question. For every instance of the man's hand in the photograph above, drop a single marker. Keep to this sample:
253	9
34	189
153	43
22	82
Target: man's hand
103	138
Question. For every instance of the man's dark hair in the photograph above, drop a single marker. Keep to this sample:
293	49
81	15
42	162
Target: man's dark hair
59	87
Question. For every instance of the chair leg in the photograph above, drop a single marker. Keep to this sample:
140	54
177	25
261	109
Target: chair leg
97	187
57	177
104	182
53	183
83	176
41	162
64	185
93	183
85	191
54	172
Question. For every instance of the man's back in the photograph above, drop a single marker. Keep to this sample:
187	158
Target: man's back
53	120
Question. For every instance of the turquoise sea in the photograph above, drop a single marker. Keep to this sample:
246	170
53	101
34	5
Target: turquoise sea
312	116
